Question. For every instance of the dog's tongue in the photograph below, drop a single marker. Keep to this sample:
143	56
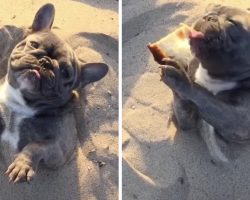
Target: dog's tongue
193	34
35	72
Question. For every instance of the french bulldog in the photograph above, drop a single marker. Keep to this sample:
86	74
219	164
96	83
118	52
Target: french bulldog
213	96
43	73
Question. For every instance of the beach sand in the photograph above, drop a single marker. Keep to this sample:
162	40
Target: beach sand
160	164
91	27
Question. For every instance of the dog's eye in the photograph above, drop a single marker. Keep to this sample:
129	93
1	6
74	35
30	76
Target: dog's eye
64	72
34	44
232	22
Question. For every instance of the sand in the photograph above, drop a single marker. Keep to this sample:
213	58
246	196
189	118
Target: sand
156	166
91	27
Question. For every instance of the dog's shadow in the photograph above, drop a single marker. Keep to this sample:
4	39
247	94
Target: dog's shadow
113	5
93	171
100	117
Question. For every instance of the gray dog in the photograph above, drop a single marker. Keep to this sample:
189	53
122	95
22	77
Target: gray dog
43	72
215	96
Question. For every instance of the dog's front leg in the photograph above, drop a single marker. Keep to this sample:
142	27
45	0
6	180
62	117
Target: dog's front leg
198	96
230	120
184	113
25	164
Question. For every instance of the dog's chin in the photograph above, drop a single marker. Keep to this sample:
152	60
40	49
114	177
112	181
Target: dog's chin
34	79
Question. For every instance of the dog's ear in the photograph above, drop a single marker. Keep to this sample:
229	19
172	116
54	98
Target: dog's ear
44	18
92	72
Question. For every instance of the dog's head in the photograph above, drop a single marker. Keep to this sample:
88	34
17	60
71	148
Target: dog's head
222	42
44	67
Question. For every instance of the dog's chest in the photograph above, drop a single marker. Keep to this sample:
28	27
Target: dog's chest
213	85
10	133
12	111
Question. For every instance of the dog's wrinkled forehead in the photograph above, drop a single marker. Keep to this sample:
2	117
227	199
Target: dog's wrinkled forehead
54	46
241	16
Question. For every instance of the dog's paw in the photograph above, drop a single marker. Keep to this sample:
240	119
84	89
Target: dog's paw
174	78
20	170
174	63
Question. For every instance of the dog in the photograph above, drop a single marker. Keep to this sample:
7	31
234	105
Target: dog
215	95
43	73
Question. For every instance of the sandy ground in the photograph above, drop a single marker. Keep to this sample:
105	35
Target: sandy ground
91	27
154	166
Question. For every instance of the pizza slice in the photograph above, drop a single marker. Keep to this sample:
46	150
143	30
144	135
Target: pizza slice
174	45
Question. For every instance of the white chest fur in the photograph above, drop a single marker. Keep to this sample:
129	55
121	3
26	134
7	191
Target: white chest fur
11	131
213	85
13	99
17	111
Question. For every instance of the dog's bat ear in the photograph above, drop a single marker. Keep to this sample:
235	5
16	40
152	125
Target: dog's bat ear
92	72
44	18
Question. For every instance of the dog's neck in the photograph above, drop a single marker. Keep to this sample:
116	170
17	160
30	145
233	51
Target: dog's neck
213	85
13	99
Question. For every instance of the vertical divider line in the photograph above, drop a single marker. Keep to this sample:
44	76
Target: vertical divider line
120	99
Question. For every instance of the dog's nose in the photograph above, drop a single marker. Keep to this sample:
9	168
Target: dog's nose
46	62
211	18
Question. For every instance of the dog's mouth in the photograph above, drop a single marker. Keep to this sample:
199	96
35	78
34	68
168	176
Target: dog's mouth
196	39
38	76
206	37
32	74
193	35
